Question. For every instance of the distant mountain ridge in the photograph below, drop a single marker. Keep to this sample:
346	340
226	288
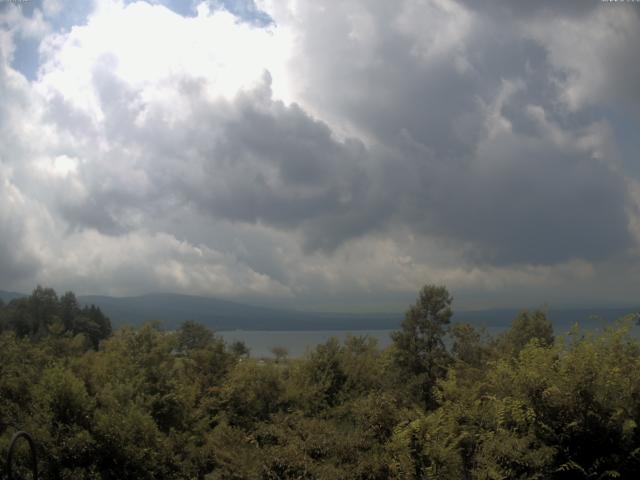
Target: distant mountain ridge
8	296
172	309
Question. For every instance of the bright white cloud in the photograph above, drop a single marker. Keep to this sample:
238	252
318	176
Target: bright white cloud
149	47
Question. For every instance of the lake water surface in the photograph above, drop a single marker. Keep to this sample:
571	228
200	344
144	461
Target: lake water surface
297	342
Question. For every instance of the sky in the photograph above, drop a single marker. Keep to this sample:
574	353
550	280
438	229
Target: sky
325	155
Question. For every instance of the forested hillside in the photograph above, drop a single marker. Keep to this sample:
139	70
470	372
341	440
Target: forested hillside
445	401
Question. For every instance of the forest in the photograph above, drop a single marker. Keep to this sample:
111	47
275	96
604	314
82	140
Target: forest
444	401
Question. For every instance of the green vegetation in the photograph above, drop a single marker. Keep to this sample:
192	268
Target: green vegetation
445	401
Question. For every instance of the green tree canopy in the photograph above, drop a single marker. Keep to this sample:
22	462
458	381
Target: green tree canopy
420	351
527	326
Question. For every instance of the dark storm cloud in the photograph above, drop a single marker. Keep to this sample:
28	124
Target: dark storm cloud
520	199
460	132
14	269
16	263
401	87
276	165
434	166
287	170
524	198
539	205
251	160
91	213
526	9
591	50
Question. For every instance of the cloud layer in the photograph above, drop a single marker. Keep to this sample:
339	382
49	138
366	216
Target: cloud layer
322	153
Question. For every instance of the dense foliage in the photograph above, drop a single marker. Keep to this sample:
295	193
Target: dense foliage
445	401
43	314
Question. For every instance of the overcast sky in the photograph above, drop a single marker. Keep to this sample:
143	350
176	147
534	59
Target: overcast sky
322	154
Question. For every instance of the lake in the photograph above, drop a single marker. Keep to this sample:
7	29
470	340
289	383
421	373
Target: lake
297	342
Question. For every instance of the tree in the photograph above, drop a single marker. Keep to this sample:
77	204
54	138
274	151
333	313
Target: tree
251	393
526	327
323	376
94	324
193	336
420	352
43	309
69	310
43	314
281	353
239	348
18	318
3	316
468	346
31	316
